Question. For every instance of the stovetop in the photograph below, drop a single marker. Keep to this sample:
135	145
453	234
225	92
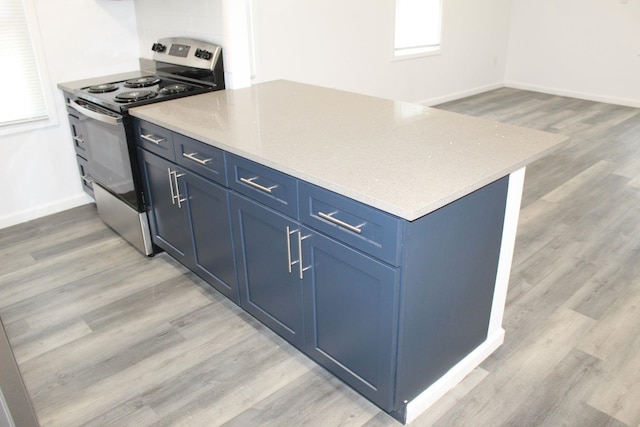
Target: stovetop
122	95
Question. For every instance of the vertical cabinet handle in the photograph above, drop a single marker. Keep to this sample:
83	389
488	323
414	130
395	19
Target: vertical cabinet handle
302	269
176	197
290	263
173	194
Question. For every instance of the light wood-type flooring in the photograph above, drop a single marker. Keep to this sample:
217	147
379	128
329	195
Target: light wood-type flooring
104	336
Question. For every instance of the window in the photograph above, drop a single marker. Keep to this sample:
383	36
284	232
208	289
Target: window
417	27
25	100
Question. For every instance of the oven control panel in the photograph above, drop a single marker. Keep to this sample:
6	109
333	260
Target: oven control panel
186	52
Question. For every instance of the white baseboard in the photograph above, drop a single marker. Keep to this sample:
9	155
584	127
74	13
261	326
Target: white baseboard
457	95
43	210
575	94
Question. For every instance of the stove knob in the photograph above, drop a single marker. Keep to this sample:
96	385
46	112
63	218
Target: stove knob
205	54
158	47
198	53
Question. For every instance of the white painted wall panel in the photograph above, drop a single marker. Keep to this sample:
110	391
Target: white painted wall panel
348	45
81	39
582	48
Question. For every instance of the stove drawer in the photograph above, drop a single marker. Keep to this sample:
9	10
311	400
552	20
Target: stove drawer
154	138
200	158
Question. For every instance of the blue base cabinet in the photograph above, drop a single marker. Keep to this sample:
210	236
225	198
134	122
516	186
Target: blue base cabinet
189	218
350	302
268	288
385	304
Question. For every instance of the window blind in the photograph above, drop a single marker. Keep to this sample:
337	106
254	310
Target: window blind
23	99
417	26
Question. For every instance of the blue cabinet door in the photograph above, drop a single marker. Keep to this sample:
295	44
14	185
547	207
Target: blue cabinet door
208	210
168	217
266	254
350	321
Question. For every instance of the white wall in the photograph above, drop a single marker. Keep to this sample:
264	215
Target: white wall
348	45
581	48
81	39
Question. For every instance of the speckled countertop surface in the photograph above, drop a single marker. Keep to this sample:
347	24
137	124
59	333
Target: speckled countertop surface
401	158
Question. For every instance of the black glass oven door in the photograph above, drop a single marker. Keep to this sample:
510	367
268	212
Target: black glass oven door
108	153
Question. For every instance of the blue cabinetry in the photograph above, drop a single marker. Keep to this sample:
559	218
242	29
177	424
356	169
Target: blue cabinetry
387	305
350	303
189	217
269	284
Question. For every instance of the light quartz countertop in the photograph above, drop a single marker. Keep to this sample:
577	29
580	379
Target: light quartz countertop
404	159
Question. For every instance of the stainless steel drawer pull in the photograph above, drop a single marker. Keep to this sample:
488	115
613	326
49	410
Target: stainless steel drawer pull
149	138
329	217
249	181
87	180
192	156
78	139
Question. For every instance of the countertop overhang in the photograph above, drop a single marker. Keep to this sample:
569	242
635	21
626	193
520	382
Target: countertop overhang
402	158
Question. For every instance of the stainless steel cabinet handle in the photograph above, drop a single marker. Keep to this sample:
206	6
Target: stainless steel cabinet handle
149	137
179	198
87	180
192	156
329	217
291	263
176	197
173	194
78	139
249	181
302	269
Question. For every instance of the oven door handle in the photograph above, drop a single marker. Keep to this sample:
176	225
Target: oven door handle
115	121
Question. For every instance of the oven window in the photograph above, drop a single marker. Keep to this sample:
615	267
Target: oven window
110	163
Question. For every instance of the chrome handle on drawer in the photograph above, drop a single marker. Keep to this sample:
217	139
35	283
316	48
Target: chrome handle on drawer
192	156
87	180
330	218
149	138
78	139
249	181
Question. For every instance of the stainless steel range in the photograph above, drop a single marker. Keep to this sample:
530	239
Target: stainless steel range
102	129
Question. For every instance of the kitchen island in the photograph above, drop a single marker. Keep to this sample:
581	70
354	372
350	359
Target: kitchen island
375	236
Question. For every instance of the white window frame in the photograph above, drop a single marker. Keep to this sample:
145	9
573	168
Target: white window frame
51	118
420	50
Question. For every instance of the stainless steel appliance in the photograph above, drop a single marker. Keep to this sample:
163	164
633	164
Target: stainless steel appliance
102	129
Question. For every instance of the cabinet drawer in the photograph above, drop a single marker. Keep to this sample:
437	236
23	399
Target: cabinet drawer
199	157
265	185
360	226
154	138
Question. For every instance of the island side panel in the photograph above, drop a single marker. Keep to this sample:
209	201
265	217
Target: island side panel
451	260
